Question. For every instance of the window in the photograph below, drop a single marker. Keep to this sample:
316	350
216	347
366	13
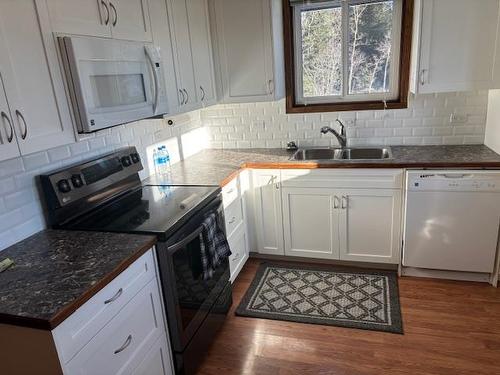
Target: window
347	54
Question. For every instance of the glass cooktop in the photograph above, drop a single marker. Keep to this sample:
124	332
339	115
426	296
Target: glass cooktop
150	209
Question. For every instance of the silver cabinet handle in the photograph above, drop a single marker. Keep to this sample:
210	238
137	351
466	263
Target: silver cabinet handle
187	96
182	97
156	79
115	297
270	86
336	202
5	118
21	117
422	76
233	219
125	345
115	20
344	202
277	186
106	21
202	93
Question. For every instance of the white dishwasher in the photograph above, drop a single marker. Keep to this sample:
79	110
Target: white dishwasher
452	220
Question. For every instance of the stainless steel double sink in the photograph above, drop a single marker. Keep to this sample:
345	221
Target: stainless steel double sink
339	154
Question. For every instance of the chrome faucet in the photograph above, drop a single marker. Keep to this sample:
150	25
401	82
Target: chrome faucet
342	138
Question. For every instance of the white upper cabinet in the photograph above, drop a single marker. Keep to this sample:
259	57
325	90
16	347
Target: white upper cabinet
183	58
82	17
8	141
192	51
121	19
455	46
201	46
249	49
32	78
129	20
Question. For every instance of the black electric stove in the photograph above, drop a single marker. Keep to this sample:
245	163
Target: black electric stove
106	195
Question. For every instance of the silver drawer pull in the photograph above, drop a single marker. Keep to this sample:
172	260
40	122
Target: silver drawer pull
125	345
233	219
344	202
230	191
115	297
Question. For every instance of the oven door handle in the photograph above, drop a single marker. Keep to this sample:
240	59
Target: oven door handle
156	80
179	245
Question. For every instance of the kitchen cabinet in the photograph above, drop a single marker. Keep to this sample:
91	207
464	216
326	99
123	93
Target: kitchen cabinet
455	46
8	142
32	78
268	217
235	213
310	222
190	33
157	361
370	225
248	40
120	19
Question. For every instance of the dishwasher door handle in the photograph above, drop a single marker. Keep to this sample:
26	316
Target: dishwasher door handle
455	175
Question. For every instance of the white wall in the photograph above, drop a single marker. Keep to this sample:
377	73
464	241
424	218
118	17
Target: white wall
426	121
20	205
492	135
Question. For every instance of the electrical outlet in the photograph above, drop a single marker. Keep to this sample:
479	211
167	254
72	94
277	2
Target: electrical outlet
458	119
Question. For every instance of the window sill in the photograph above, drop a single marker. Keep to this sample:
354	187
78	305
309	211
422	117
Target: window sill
342	107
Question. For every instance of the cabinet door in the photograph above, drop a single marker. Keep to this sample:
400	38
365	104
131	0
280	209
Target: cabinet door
201	47
244	44
310	224
179	28
457	45
370	225
268	213
8	141
82	17
130	20
32	77
157	361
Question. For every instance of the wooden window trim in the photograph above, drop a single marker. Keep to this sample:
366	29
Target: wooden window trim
404	69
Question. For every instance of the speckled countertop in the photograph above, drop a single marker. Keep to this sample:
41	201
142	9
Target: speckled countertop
56	271
217	167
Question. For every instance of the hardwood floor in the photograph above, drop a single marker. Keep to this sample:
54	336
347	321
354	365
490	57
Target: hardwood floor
450	328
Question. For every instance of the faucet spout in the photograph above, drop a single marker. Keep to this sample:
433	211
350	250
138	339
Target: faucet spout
341	137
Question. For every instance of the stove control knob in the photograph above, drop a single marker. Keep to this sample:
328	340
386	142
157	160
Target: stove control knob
77	181
126	161
135	157
63	186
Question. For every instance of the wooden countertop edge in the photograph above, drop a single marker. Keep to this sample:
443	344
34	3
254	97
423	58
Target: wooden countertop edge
69	309
340	165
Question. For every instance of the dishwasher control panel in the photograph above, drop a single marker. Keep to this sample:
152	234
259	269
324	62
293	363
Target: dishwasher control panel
453	180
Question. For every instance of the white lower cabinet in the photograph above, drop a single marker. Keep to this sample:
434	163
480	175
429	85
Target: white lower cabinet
370	225
125	324
310	223
351	215
267	211
233	196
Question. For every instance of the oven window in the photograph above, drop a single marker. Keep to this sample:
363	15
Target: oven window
115	90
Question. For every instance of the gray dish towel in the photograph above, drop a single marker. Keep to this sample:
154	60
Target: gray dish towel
214	246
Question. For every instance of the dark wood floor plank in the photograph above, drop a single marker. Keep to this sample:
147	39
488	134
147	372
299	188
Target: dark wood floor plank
450	328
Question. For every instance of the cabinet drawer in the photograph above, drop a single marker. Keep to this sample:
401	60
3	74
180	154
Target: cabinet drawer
234	216
230	192
126	340
76	331
239	251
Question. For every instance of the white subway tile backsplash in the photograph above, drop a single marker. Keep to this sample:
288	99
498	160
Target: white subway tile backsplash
426	121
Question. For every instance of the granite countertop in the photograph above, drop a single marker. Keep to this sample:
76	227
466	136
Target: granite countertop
218	167
56	271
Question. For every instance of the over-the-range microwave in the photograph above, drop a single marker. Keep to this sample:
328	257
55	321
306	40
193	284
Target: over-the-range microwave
112	82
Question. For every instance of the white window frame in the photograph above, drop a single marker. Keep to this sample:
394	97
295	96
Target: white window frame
344	97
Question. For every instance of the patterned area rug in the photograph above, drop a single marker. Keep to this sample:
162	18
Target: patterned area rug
321	295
